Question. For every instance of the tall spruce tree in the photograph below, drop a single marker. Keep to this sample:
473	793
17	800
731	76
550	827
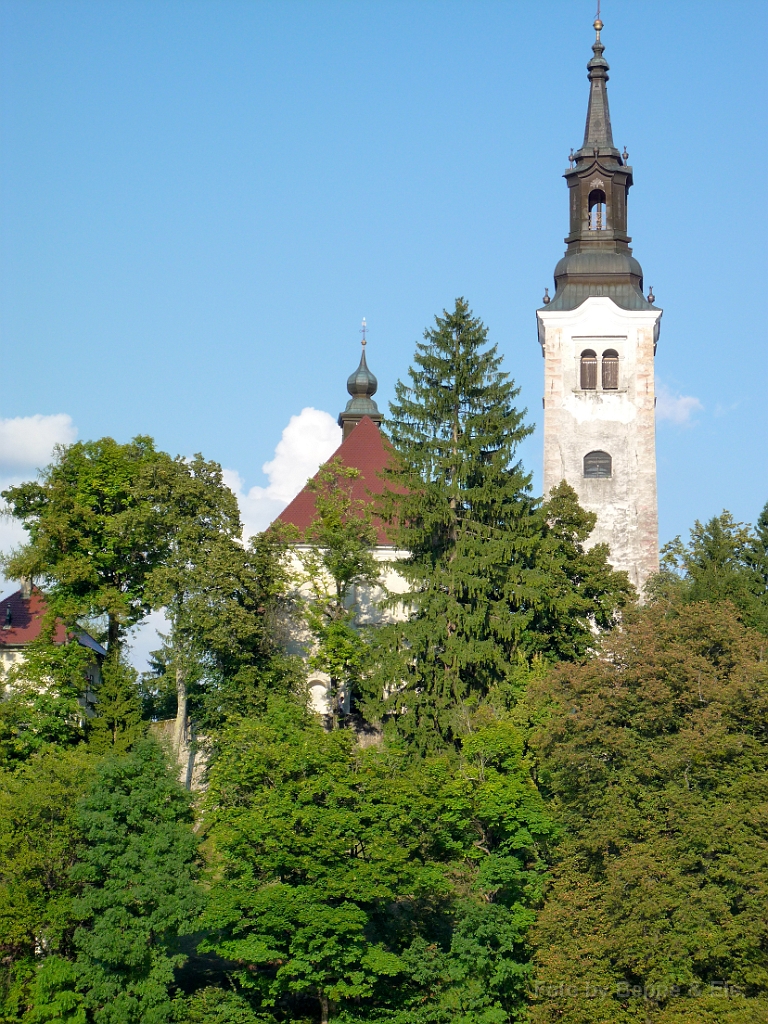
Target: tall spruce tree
484	591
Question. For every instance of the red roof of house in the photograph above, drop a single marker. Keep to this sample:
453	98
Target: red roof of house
27	614
365	449
26	620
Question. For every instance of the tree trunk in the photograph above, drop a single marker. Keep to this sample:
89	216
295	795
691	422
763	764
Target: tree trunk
324	1008
180	728
113	635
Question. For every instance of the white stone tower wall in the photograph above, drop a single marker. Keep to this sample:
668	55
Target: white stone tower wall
620	422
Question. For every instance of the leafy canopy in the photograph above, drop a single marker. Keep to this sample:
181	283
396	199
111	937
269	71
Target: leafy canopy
96	531
723	560
368	882
654	755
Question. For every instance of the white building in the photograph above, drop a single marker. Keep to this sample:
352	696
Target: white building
598	335
22	616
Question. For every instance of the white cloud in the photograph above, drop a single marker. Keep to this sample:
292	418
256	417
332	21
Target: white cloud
27	441
26	445
309	440
12	535
676	408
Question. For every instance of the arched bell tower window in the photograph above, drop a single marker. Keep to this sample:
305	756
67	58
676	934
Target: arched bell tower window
597	465
597	212
610	370
588	370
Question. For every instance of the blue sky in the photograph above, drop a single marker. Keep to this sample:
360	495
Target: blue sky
200	201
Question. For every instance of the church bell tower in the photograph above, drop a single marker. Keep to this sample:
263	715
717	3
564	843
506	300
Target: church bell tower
598	335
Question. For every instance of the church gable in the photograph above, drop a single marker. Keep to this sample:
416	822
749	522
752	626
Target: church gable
364	449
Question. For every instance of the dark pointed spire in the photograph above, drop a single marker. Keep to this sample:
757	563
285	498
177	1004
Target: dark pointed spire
597	131
598	260
362	386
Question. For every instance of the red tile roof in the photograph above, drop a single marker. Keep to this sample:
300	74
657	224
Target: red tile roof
27	614
365	449
26	620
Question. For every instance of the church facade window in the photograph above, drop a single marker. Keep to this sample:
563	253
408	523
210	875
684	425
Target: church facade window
598	465
610	370
588	370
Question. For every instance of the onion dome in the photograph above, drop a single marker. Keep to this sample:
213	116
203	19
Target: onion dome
362	386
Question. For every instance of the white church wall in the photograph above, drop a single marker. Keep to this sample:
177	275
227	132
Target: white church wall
619	421
367	601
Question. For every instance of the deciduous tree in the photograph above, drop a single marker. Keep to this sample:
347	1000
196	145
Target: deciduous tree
654	755
370	884
95	530
723	560
136	871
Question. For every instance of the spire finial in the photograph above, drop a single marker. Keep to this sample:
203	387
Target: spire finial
362	386
597	23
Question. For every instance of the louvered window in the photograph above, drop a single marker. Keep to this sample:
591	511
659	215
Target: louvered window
588	370
597	464
610	370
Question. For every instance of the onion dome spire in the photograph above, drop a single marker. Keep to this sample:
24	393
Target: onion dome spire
362	386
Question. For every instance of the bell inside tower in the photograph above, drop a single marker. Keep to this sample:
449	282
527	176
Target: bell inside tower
597	210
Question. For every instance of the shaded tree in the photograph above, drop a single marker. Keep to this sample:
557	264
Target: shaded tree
654	755
118	720
136	872
39	838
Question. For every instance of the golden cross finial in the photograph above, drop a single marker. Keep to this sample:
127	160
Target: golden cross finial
363	331
597	24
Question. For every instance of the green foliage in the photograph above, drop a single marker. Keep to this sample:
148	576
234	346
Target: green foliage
337	560
655	755
342	534
364	880
581	593
38	847
55	996
492	575
43	704
136	870
222	598
217	1006
723	561
117	724
94	530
